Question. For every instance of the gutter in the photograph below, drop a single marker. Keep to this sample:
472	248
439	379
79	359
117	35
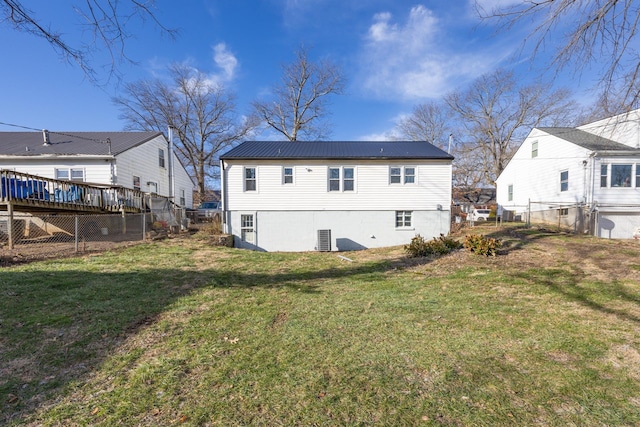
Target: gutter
58	156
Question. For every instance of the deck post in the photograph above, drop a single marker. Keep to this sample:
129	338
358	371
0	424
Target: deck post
144	224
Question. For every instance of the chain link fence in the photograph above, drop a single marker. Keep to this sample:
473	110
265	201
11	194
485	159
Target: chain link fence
86	232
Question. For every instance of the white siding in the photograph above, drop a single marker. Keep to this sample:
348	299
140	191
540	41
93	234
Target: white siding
96	170
309	190
624	128
142	161
288	216
608	195
538	179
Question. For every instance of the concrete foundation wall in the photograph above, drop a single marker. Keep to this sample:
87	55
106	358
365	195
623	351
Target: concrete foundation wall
350	230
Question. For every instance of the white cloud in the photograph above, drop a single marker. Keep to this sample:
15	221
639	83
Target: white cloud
224	60
412	61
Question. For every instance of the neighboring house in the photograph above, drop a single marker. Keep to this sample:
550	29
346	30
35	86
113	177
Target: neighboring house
303	196
133	160
586	177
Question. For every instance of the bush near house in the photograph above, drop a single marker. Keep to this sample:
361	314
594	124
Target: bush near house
482	245
420	247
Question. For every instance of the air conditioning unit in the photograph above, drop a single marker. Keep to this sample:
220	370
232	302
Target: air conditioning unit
324	240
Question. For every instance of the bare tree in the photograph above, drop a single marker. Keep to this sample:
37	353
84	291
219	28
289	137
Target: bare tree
299	102
427	122
494	113
600	33
201	112
107	22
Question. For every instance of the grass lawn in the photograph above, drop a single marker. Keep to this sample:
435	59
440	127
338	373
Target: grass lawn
180	333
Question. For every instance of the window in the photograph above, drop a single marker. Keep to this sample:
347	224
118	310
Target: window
334	179
153	187
287	175
534	149
564	180
70	174
183	199
62	173
403	219
247	231
637	175
510	193
409	175
564	211
342	179
402	175
348	180
136	183
160	157
395	175
621	175
603	175
249	179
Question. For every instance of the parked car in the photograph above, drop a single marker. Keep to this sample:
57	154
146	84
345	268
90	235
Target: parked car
480	214
208	211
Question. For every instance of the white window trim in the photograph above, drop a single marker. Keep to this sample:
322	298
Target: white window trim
244	179
70	173
254	227
163	158
341	179
535	150
403	227
153	183
561	172
403	175
293	175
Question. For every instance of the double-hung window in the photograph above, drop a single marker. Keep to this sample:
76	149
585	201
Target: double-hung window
287	175
564	181
249	179
402	175
603	175
637	175
534	149
510	193
403	219
342	179
160	157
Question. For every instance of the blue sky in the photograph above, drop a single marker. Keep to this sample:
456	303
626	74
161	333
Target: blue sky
393	53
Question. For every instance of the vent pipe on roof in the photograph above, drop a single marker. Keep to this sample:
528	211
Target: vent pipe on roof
45	137
450	142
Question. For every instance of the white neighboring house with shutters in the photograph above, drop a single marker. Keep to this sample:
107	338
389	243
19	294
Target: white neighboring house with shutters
587	177
134	160
334	196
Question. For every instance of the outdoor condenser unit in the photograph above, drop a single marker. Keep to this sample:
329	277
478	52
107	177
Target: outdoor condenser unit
324	240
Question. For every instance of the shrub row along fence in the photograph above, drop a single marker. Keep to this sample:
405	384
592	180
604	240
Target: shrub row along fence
83	232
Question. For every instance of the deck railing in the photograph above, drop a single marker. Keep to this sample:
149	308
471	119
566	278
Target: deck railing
25	189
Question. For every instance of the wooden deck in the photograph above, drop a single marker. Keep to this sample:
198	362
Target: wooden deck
21	192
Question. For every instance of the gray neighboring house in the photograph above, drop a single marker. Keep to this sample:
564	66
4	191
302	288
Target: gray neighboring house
334	196
134	160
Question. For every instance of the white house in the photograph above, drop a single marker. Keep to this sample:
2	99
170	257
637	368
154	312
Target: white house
587	177
304	196
133	160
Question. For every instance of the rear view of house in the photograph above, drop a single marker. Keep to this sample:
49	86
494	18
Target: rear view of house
334	196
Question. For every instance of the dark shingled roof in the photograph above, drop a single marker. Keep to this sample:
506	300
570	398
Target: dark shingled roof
71	143
339	150
585	139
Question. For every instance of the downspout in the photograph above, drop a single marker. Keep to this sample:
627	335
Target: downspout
170	168
223	197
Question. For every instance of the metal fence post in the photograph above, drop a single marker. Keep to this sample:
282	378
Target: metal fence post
76	231
10	224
